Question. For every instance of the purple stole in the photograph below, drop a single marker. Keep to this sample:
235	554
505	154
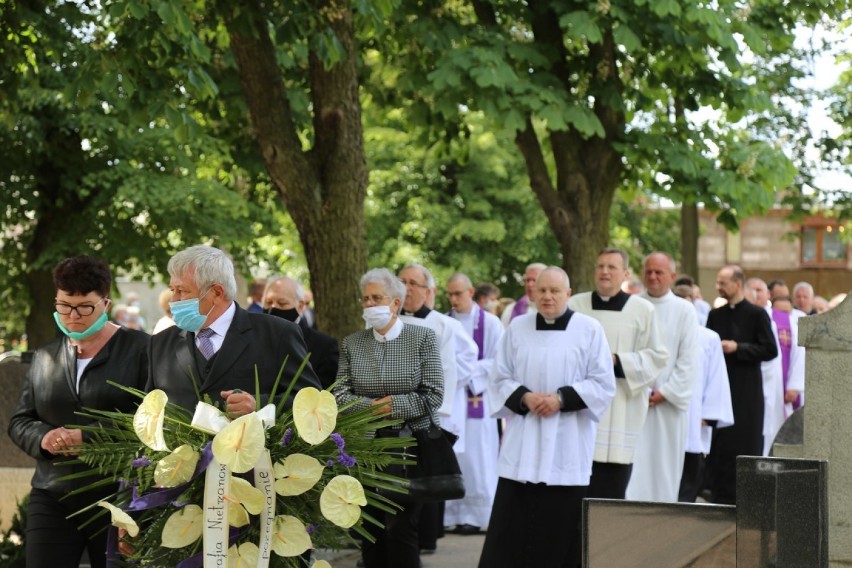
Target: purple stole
520	306
785	339
474	401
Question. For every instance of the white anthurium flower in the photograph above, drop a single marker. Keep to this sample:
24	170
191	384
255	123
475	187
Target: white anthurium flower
239	444
296	474
246	556
121	519
183	527
314	414
148	420
342	499
289	536
176	468
321	564
245	498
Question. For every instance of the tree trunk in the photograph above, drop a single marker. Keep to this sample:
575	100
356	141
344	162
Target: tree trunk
689	239
324	188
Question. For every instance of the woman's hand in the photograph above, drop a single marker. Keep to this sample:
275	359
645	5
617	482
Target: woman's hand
60	440
382	406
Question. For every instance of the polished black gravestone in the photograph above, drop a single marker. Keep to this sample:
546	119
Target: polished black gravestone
782	513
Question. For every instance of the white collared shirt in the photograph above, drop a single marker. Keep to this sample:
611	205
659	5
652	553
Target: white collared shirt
220	326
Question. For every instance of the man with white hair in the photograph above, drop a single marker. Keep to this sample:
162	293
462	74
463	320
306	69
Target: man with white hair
285	298
803	298
525	303
216	346
458	358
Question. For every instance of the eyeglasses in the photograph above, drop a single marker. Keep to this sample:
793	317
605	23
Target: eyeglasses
412	283
82	310
374	299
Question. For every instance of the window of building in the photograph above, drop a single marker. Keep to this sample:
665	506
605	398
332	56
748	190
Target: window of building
824	244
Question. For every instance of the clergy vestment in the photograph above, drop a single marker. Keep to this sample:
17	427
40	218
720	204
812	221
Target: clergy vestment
521	306
545	462
749	326
710	404
660	451
773	391
633	336
478	457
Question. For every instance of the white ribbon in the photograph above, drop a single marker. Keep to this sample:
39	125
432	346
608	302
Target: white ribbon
217	486
210	419
264	481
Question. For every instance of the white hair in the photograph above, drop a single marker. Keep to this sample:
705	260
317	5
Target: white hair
300	290
212	266
427	275
386	279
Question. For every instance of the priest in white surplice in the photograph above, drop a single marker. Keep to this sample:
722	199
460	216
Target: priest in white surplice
638	357
458	358
478	458
659	455
553	375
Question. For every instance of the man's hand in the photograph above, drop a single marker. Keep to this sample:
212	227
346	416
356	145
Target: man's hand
542	404
729	346
655	398
382	406
791	396
238	403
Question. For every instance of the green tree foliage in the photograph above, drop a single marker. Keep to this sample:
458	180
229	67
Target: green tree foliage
80	176
606	94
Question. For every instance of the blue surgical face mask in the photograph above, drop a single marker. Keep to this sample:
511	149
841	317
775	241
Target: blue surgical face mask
186	314
90	331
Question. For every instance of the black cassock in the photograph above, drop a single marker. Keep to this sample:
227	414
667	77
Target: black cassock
750	327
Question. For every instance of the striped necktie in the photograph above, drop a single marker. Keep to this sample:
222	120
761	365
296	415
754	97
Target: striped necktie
205	344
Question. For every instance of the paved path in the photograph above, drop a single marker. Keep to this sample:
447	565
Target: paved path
454	551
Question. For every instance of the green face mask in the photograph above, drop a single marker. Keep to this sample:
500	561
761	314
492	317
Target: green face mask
78	335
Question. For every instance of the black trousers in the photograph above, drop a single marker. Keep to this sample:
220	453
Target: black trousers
609	480
52	541
692	479
534	525
397	545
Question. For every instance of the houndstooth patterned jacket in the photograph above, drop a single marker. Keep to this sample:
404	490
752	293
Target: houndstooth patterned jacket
407	367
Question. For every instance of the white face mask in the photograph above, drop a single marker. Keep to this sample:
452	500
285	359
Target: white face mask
377	317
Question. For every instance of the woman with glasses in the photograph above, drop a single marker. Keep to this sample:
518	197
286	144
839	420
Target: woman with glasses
396	370
66	376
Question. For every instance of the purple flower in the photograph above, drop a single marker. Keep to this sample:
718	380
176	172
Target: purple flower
288	434
142	462
329	463
346	459
338	441
311	528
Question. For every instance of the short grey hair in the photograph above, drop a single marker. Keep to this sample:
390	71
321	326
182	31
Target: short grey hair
611	250
300	290
669	258
536	266
427	275
212	266
804	285
387	280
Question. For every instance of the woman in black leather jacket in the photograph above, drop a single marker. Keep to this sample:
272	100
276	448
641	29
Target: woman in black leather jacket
65	376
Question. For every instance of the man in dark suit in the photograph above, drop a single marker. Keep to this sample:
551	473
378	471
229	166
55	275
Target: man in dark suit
216	346
285	298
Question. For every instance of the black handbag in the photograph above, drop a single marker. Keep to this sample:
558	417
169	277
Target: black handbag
436	475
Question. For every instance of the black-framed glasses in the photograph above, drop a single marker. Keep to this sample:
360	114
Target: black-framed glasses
374	299
82	310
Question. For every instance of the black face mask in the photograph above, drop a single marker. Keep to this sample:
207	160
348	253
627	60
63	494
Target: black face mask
290	315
